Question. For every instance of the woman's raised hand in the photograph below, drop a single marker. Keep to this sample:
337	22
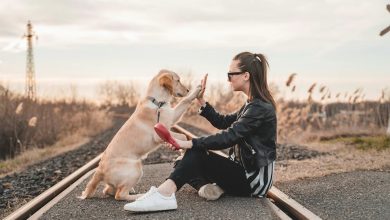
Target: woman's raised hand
182	144
201	93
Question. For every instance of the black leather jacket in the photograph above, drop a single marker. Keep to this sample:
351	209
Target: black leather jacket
251	131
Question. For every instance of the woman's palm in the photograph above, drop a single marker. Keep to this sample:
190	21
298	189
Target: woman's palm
203	83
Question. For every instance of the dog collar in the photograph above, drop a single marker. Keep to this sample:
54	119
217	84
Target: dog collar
159	105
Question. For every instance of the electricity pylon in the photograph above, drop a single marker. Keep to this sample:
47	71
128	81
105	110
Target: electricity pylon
30	89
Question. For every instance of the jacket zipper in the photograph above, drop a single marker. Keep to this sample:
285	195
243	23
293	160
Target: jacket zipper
242	161
250	148
252	151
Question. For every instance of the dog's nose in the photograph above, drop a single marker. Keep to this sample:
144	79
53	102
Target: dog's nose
188	90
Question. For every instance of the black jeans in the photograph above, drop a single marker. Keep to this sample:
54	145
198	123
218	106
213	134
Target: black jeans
198	168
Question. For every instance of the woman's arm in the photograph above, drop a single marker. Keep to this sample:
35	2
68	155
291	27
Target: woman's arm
216	119
249	122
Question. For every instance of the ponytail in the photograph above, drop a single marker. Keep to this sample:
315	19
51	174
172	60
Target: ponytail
257	66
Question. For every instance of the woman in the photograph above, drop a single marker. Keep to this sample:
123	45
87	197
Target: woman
250	133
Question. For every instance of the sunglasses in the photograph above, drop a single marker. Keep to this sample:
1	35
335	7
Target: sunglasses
230	74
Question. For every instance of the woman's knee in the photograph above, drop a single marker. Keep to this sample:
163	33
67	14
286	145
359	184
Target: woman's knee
194	154
192	158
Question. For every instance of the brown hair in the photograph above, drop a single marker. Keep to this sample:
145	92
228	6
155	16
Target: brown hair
257	66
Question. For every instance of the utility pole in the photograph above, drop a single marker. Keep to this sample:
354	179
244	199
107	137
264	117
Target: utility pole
30	87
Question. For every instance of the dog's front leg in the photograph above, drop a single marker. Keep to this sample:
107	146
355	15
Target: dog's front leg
183	105
180	108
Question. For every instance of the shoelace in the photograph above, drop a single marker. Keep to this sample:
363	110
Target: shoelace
146	195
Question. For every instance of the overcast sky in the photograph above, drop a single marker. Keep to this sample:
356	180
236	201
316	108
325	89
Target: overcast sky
333	43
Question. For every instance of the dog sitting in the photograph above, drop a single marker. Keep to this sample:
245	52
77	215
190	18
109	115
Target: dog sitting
120	167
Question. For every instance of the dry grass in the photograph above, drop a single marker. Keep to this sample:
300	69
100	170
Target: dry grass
343	158
312	118
64	144
361	142
309	136
28	124
300	121
36	155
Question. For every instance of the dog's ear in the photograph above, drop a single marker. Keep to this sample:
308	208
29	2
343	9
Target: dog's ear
166	81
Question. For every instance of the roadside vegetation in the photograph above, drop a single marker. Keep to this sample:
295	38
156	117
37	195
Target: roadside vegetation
365	142
34	130
315	119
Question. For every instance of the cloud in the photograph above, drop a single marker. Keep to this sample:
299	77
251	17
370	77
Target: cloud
15	46
286	25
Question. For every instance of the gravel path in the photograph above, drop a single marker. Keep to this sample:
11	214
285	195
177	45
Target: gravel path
19	188
190	205
354	195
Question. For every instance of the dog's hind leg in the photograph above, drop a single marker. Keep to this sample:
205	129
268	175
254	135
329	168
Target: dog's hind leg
109	190
122	193
127	179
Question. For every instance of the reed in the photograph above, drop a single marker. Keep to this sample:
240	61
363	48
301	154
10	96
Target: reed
290	79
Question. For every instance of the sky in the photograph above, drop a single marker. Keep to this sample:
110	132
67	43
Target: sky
84	43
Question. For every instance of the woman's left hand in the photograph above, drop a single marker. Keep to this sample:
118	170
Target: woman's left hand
182	144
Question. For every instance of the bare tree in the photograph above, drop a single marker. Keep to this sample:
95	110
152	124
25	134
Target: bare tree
114	92
126	93
73	92
107	91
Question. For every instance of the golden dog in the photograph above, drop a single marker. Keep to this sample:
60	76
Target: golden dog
120	167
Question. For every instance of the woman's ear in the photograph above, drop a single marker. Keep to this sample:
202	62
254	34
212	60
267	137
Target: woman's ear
166	81
247	75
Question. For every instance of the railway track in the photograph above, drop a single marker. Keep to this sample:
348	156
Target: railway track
282	205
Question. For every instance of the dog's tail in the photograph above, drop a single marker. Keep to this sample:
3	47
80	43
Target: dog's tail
92	185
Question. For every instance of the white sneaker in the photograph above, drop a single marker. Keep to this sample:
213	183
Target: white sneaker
210	191
152	201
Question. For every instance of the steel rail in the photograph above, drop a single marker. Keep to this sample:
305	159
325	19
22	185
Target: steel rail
38	202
